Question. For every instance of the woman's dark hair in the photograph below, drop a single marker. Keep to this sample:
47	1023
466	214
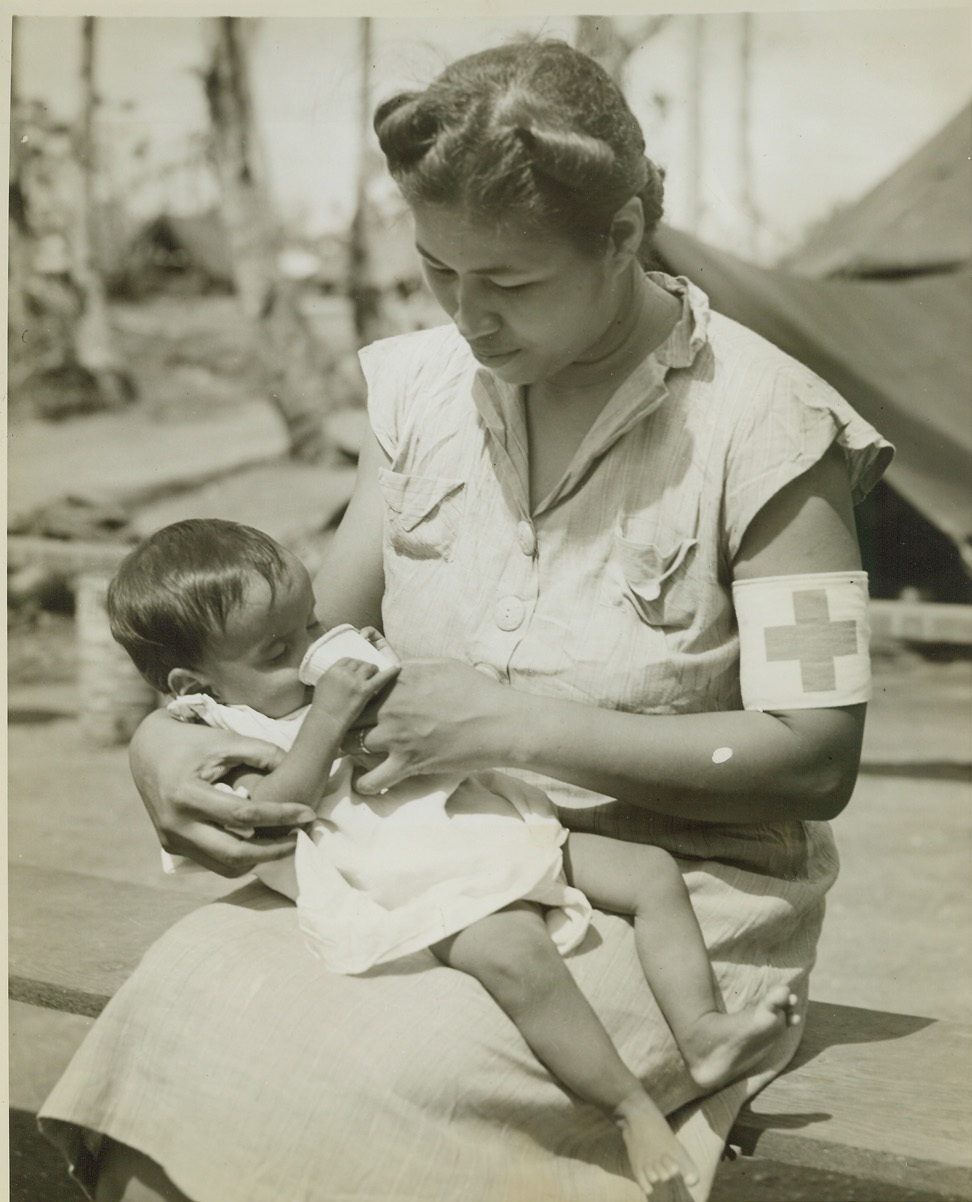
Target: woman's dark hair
175	591
532	133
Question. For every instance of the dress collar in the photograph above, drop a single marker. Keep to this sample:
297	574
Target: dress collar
639	394
691	331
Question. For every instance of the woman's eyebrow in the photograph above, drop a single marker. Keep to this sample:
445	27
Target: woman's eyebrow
505	269
425	254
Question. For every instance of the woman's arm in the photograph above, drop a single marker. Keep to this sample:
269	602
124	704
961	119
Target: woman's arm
796	764
788	764
176	764
351	582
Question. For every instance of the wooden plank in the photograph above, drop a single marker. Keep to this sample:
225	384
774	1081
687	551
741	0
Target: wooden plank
290	501
286	499
74	938
130	456
67	557
921	622
879	1096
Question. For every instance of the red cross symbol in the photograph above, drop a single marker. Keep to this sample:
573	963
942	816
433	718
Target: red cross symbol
815	641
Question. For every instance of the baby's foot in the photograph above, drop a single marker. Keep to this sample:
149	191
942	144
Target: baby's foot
655	1154
724	1047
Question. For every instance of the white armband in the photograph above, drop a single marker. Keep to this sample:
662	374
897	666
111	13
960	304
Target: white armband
803	640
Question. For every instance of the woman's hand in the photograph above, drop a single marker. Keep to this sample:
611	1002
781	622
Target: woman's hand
439	716
176	765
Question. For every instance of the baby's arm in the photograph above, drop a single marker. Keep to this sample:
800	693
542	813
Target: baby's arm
340	695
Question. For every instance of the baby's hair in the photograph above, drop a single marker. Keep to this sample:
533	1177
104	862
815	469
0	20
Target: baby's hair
533	133
175	591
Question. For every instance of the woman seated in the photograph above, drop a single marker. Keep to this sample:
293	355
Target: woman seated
609	534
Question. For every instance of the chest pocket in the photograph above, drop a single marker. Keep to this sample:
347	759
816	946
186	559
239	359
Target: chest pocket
422	513
653	579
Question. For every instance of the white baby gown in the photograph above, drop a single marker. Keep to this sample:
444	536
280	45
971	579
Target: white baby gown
377	878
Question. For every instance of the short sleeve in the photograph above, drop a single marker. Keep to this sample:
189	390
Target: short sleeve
396	369
787	426
378	363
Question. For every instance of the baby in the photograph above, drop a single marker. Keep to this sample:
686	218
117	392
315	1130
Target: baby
222	617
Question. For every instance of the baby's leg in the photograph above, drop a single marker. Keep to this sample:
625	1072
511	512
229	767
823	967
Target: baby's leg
639	879
513	957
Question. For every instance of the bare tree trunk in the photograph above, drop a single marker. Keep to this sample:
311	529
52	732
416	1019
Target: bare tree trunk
294	364
598	37
93	336
747	192
602	40
365	294
18	267
694	173
61	345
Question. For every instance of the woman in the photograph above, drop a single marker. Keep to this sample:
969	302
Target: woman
570	495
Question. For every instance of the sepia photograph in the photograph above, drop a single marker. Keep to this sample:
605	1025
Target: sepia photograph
489	605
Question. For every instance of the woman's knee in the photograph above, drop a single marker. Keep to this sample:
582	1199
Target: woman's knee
125	1175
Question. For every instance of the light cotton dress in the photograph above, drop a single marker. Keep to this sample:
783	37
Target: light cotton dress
376	878
234	1060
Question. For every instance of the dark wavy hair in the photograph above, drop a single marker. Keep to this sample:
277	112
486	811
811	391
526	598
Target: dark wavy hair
175	591
532	133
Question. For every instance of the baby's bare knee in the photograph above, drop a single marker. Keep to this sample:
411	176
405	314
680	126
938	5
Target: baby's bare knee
658	877
516	962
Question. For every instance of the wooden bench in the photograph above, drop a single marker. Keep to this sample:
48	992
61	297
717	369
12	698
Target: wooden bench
883	1098
878	1096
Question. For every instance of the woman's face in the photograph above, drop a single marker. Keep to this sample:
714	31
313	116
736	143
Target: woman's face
529	306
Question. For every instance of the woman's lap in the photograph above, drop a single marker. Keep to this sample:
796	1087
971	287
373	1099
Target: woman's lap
232	1059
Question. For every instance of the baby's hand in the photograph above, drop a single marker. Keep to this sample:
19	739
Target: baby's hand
347	687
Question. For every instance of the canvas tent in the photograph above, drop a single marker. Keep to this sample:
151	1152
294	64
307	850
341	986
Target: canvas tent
919	219
891	325
193	251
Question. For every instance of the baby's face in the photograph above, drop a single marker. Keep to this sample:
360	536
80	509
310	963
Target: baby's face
255	661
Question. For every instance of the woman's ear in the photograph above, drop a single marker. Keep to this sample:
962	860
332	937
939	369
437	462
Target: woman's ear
627	229
184	680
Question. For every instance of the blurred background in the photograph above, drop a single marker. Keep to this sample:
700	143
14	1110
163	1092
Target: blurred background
201	236
200	220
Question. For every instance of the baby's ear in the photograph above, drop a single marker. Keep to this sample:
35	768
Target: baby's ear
184	680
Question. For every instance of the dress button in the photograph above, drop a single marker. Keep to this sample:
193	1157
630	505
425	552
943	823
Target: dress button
527	538
509	613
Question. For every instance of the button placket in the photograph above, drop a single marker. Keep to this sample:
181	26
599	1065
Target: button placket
526	538
509	613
